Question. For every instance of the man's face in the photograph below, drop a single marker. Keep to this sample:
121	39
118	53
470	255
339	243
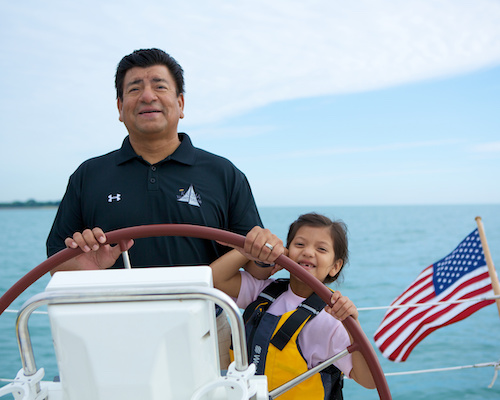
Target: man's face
150	104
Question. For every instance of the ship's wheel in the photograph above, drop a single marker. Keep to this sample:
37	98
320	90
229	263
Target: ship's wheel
121	236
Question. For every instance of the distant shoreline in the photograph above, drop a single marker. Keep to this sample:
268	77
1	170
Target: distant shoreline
55	204
30	204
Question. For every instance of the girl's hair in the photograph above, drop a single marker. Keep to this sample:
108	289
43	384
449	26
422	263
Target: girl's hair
338	232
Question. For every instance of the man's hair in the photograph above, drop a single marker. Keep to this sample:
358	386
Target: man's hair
147	58
338	233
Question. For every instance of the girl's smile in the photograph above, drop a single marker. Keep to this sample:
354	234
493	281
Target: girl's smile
312	248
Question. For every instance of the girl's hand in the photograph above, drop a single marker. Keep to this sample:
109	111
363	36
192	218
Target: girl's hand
342	307
277	267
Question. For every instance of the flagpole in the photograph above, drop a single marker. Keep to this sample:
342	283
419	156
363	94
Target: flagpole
489	262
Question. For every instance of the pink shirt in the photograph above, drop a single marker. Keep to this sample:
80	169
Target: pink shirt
321	338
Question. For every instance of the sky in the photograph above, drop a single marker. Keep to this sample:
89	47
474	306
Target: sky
372	102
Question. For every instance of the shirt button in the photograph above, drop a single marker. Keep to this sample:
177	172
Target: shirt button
153	168
152	180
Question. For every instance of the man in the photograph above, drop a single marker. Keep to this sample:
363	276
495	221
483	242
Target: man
157	176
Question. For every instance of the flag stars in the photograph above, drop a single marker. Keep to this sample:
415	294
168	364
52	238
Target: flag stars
466	257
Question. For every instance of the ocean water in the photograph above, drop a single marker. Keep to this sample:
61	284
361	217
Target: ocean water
389	246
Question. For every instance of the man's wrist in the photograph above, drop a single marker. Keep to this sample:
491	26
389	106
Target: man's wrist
263	264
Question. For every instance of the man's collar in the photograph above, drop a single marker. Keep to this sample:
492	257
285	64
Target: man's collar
126	152
184	154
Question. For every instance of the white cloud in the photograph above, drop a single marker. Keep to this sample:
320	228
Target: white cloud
303	49
58	61
242	55
240	131
487	148
322	151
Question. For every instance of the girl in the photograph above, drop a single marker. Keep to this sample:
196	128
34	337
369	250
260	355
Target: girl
289	329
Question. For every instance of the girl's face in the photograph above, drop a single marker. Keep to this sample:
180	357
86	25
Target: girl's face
312	249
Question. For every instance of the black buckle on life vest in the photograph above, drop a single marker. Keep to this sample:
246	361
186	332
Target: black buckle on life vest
308	309
270	293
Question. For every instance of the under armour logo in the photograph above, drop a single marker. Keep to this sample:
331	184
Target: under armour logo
116	197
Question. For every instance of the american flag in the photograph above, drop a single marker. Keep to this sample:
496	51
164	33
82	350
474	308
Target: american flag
463	274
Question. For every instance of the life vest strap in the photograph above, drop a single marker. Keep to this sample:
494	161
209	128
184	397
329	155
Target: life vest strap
270	293
308	309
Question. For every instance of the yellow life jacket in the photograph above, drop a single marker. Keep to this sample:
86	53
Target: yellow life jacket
272	343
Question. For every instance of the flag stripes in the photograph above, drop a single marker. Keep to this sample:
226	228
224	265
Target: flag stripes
403	328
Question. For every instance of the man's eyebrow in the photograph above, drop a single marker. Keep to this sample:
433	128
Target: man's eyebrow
138	81
159	80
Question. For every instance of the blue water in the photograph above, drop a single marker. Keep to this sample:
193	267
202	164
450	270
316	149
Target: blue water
389	246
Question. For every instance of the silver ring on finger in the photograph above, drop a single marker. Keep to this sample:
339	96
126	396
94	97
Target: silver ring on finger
269	246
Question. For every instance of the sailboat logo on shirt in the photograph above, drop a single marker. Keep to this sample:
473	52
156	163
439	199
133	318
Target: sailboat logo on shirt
189	196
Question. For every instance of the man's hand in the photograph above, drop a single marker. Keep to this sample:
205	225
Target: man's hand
262	245
96	254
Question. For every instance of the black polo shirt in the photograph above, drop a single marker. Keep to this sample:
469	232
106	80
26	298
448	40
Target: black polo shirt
191	186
